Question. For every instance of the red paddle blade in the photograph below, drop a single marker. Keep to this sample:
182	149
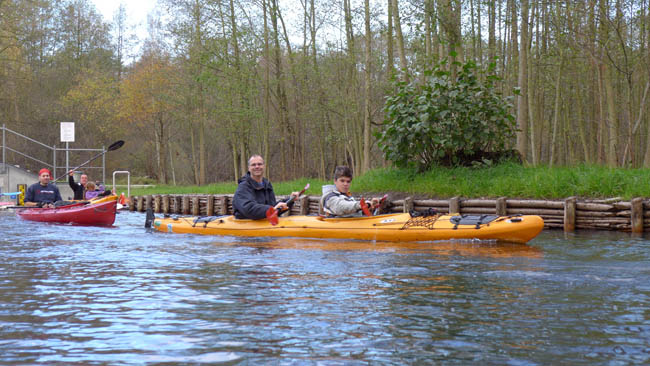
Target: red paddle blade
364	207
272	216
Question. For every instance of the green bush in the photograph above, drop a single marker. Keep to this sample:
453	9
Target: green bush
437	119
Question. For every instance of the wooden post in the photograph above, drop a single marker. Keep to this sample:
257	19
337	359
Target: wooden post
502	206
637	215
147	202
140	204
454	205
570	214
304	205
196	209
178	204
223	205
132	202
408	204
210	208
185	210
165	204
156	204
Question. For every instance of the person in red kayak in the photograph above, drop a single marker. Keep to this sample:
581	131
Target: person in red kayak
43	193
77	188
337	200
92	191
254	194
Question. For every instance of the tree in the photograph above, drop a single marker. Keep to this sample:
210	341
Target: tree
147	102
447	120
522	97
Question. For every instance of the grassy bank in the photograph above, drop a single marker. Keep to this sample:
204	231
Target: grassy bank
509	180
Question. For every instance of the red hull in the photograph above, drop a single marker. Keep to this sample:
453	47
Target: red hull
101	214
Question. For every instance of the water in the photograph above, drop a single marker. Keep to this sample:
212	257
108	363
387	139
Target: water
124	296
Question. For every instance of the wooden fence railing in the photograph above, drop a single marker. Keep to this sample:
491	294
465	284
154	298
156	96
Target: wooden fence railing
568	214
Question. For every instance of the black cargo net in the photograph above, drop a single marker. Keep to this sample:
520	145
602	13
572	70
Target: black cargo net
426	221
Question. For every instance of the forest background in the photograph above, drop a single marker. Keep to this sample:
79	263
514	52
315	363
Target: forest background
303	82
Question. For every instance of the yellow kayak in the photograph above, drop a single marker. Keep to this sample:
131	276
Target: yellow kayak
103	199
109	198
390	227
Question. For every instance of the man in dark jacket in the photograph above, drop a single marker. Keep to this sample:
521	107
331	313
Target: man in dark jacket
43	193
77	188
255	194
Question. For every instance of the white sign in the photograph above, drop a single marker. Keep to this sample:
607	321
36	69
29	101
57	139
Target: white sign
67	131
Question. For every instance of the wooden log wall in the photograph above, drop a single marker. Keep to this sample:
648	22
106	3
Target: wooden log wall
568	214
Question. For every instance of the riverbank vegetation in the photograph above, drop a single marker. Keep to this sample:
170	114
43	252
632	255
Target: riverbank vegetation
304	83
508	180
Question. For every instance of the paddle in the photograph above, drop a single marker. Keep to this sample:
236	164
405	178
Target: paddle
364	207
149	218
293	200
272	213
114	146
57	205
381	202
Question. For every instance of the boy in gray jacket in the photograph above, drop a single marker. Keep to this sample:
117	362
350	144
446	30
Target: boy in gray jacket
336	199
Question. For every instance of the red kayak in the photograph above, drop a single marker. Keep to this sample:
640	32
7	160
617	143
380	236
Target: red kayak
100	214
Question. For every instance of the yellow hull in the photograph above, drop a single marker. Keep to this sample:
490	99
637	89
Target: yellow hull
110	198
103	199
391	227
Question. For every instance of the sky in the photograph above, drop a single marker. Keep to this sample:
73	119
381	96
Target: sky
136	10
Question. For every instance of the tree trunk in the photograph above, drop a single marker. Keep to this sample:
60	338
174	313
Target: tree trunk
390	57
492	42
266	125
556	109
365	166
522	98
283	108
611	119
400	42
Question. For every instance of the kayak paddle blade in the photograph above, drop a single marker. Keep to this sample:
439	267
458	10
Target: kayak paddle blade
116	145
364	207
149	218
272	216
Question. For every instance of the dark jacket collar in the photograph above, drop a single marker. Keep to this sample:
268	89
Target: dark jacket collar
250	181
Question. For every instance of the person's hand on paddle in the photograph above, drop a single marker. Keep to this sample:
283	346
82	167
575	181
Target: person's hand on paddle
281	206
71	173
374	203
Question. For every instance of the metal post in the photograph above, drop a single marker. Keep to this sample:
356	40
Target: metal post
104	165
67	157
128	181
4	160
4	145
54	160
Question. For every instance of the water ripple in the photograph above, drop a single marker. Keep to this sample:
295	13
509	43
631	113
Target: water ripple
125	296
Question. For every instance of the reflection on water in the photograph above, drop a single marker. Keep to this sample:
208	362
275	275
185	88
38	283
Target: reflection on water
447	247
122	295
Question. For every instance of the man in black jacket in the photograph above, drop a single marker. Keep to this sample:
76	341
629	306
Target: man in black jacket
254	195
77	188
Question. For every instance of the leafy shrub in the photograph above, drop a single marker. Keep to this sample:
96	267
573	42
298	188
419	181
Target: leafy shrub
437	120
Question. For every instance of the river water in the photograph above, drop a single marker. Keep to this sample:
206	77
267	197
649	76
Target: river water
74	295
